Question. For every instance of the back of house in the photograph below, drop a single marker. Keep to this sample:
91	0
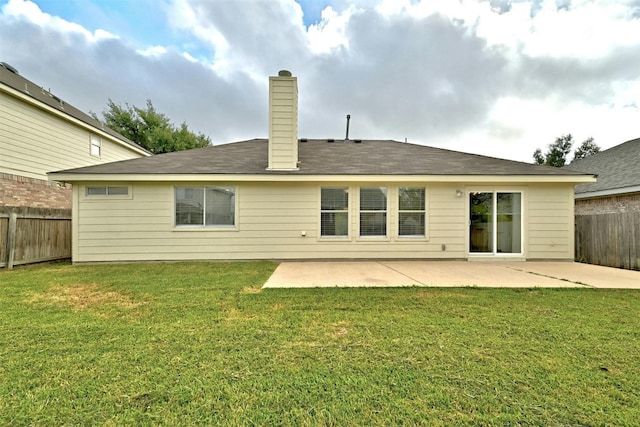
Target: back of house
285	197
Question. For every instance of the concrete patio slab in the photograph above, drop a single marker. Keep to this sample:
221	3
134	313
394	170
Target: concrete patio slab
595	276
449	274
481	274
336	274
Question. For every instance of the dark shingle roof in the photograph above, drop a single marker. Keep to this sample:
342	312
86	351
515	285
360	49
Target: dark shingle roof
617	168
10	78
319	157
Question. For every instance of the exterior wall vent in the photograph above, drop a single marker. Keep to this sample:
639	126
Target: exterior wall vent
331	140
357	141
303	139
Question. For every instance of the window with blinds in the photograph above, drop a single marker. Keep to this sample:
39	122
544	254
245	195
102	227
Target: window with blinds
411	211
334	211
373	212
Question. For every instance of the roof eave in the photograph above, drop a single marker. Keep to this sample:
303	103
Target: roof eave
80	177
608	192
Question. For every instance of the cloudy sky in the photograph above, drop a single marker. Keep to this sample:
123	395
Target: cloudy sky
495	77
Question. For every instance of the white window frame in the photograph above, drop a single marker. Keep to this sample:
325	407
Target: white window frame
106	195
203	226
347	212
385	211
422	211
95	146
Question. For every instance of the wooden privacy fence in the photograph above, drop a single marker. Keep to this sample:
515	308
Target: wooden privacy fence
611	239
30	235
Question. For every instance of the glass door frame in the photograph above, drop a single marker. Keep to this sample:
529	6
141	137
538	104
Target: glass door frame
495	190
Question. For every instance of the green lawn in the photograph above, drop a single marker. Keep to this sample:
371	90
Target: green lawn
200	343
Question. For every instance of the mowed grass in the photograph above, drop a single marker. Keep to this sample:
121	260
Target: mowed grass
202	344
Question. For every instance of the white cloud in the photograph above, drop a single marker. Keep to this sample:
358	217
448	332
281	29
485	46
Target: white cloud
29	11
184	16
188	57
330	32
581	29
515	127
253	38
498	78
153	51
585	29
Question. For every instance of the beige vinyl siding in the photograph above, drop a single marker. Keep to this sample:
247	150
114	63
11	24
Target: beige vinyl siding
34	142
272	217
550	227
446	221
271	220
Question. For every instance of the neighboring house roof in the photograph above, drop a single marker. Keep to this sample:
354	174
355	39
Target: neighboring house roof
618	170
9	77
321	157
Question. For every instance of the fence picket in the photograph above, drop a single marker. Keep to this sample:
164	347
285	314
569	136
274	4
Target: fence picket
610	239
30	235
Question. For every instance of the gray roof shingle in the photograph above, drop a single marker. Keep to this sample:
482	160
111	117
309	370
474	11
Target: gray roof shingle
319	157
617	168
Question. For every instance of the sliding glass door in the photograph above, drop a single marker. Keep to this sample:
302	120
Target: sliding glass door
495	220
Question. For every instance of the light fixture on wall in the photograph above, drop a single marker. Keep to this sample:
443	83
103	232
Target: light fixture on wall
459	193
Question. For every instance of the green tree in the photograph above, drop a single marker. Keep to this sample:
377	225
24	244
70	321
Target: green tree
558	152
538	158
151	129
586	149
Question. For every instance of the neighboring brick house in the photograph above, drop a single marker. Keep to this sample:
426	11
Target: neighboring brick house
618	185
608	211
42	133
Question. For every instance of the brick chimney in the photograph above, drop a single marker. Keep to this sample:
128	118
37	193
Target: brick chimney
283	122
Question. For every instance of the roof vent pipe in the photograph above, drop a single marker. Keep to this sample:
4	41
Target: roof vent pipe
346	138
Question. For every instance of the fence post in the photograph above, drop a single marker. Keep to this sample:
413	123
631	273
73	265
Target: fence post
11	239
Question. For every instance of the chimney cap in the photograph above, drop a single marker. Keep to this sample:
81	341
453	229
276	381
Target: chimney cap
284	73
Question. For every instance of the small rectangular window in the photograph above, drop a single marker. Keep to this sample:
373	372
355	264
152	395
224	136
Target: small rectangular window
106	191
373	211
96	191
411	211
117	191
96	146
334	212
205	206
